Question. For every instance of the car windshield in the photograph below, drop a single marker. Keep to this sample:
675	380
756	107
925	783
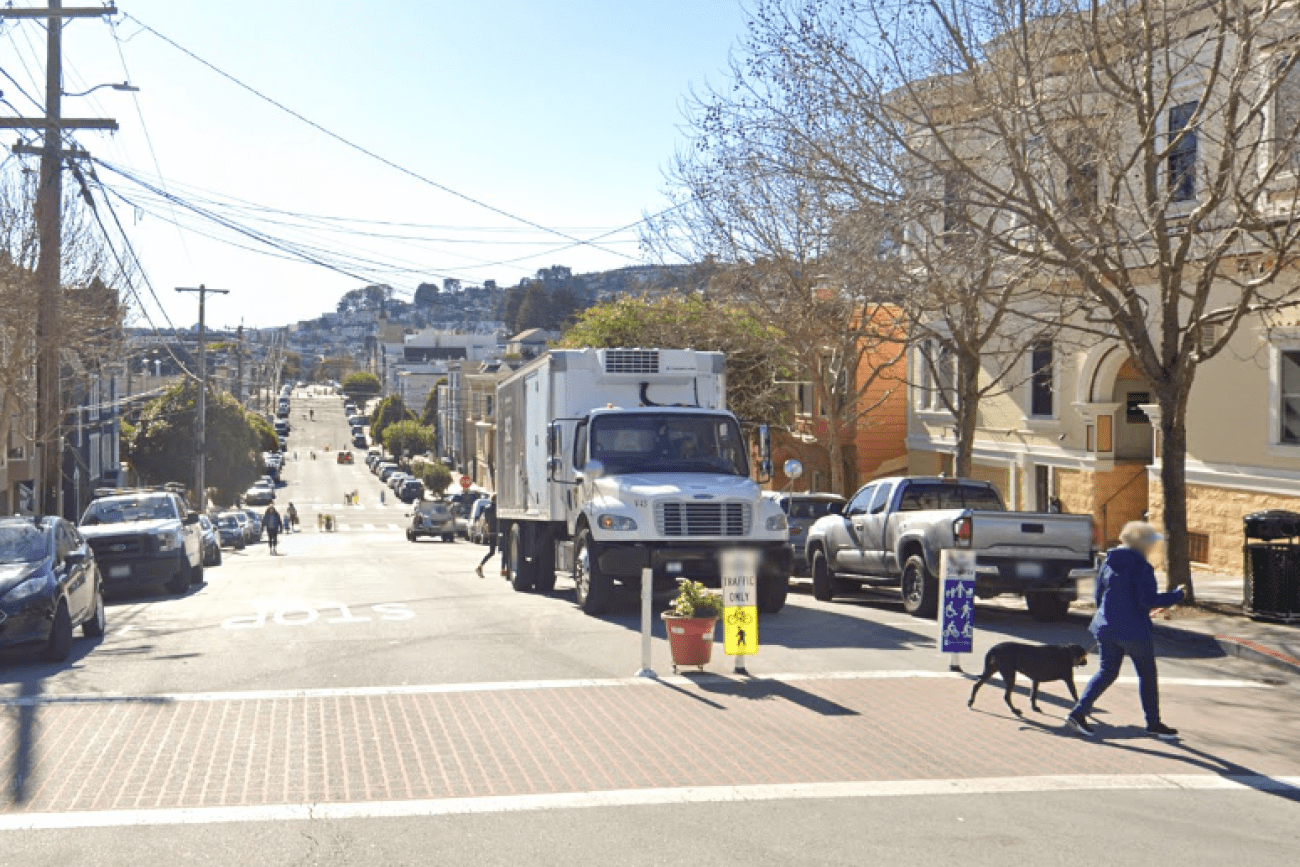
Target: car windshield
228	521
22	543
924	496
432	508
662	443
118	510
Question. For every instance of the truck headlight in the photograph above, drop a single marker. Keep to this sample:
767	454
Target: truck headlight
776	523
33	586
620	523
171	541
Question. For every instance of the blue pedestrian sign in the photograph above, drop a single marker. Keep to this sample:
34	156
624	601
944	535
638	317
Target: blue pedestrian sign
957	602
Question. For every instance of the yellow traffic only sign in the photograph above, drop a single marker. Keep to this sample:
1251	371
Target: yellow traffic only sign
740	602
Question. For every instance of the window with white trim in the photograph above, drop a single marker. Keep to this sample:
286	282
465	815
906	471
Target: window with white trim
1289	396
1182	153
1041	383
936	376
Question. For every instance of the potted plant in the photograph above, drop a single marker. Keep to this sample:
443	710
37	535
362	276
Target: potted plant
691	622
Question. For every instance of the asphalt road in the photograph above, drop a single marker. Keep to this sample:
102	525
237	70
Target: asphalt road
360	699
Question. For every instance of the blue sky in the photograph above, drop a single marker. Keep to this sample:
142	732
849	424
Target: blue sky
563	112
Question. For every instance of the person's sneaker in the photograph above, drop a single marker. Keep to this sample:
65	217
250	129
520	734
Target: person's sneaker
479	571
1079	725
1162	731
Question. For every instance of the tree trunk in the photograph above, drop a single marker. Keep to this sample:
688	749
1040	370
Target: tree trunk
965	412
1173	481
835	457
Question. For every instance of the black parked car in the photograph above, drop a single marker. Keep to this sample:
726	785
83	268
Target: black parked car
49	585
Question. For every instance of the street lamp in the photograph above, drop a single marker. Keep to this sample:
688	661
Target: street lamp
126	87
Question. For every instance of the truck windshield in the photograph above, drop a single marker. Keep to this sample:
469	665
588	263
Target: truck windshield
925	496
662	443
120	510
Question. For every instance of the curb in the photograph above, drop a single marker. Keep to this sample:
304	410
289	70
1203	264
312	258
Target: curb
1245	649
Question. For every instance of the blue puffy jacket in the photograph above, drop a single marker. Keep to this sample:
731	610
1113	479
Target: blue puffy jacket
1126	593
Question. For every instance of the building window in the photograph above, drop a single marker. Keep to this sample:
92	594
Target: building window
1081	180
1198	547
1289	399
1286	118
954	204
937	377
804	397
1182	153
1040	380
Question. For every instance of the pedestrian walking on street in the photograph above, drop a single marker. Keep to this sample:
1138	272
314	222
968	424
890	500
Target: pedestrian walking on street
1126	595
291	516
272	524
490	526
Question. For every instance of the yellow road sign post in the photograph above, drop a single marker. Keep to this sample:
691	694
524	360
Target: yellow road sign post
740	605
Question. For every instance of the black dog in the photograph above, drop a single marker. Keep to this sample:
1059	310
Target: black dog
1040	664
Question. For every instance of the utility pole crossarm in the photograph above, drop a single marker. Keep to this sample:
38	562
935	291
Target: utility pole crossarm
60	123
78	12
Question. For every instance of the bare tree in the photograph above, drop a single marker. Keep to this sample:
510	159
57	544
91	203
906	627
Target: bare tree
770	236
1141	154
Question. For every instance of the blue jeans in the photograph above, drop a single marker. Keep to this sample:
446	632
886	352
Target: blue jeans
1143	654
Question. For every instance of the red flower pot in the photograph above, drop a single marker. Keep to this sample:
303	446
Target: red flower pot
690	639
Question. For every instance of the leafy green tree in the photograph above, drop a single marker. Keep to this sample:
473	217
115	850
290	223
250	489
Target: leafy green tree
360	385
429	416
405	439
390	411
333	368
426	295
162	449
756	359
267	437
435	476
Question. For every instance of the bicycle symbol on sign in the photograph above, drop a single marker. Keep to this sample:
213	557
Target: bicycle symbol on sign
739	617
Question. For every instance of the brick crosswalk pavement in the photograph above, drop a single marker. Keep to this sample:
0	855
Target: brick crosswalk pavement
414	743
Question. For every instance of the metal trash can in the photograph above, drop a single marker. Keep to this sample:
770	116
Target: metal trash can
1272	565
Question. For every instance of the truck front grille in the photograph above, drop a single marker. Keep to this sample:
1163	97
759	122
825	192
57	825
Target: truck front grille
116	547
702	519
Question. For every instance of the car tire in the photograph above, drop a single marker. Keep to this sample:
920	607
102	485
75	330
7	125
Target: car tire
59	645
592	589
1047	607
217	560
449	537
823	581
98	622
178	583
410	536
772	593
196	574
518	570
920	589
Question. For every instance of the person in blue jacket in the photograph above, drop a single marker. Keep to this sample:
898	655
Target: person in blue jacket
1126	594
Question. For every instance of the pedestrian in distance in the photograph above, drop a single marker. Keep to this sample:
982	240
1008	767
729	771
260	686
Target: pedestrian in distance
490	525
272	523
291	517
1126	594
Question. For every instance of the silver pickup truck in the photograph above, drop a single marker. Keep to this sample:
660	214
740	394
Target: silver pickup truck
892	532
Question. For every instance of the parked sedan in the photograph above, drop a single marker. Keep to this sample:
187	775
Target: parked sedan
232	529
254	523
49	585
432	518
211	542
259	495
411	491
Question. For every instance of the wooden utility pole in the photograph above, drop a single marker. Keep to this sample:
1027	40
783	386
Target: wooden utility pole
49	226
201	428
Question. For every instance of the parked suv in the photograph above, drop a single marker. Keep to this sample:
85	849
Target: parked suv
49	585
145	538
801	512
432	518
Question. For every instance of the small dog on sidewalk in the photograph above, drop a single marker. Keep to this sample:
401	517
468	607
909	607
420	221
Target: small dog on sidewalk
1039	663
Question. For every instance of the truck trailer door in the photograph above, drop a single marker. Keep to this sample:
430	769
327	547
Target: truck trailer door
535	425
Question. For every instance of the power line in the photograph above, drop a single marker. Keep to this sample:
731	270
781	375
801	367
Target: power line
575	241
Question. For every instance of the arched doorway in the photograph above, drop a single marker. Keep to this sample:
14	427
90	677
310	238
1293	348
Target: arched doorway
1133	440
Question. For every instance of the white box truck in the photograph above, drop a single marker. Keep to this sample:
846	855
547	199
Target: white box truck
612	460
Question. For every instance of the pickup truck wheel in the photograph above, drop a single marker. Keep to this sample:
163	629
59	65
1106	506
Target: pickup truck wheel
1047	606
410	536
822	580
591	588
772	592
178	583
60	643
196	574
518	570
920	590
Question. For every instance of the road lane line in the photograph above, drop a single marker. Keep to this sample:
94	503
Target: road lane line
575	683
432	807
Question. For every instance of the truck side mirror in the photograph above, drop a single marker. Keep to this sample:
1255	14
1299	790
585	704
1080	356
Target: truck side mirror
764	452
594	469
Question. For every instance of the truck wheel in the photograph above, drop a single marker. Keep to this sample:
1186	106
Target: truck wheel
518	570
591	588
822	580
196	574
1047	606
772	592
920	590
178	583
544	563
410	537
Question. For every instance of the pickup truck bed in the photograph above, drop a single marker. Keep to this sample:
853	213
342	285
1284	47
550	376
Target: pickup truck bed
893	532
